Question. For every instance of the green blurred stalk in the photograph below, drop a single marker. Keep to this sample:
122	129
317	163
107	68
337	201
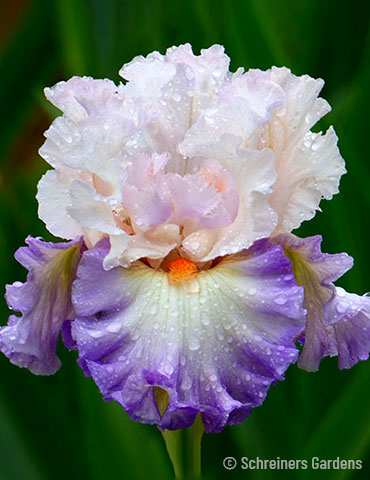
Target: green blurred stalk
184	445
173	440
193	438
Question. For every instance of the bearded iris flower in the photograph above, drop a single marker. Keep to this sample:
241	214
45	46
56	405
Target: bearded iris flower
177	193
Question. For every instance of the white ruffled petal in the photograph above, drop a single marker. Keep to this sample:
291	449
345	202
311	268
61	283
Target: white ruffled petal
302	108
80	95
118	245
90	209
165	92
254	174
98	120
54	200
312	172
244	104
155	244
308	165
209	70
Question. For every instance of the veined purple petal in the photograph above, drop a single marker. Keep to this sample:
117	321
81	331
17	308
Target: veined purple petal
45	303
214	345
316	271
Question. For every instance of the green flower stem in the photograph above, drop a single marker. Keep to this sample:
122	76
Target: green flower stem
184	445
194	436
174	444
184	450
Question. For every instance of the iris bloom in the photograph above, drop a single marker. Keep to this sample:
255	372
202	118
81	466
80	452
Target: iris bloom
177	192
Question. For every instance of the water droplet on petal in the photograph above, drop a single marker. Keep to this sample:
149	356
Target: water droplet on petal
280	300
341	308
194	343
113	327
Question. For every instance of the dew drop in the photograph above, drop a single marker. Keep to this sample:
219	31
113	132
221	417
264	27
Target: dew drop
153	309
169	369
194	343
205	320
341	308
217	72
186	383
113	327
96	334
280	300
220	336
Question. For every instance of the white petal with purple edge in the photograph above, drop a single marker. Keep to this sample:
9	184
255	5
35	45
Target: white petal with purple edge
215	349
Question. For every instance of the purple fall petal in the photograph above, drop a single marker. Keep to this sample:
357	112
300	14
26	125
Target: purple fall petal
349	317
337	322
215	348
45	303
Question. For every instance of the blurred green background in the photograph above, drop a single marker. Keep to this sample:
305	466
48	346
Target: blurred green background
59	427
